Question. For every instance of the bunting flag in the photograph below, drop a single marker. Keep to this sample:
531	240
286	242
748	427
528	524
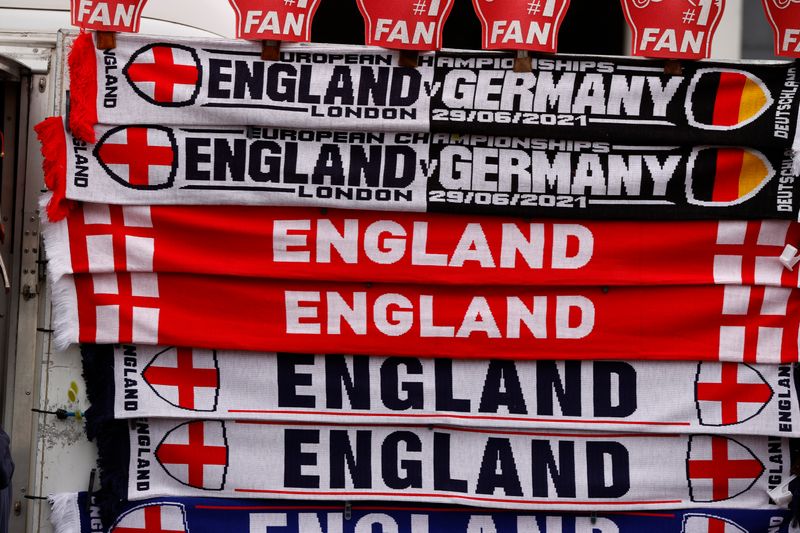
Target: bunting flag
391	171
316	244
75	513
717	323
508	469
622	100
167	382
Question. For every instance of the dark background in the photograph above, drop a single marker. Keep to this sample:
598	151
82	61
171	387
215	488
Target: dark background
590	27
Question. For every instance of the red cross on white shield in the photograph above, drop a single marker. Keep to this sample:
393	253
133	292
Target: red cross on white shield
187	378
720	468
196	454
154	518
139	157
702	523
166	75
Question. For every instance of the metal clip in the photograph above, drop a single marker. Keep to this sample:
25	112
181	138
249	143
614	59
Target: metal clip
348	510
781	494
789	257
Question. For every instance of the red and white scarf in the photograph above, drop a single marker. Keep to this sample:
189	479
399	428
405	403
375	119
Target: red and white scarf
317	244
415	172
712	323
484	468
166	382
146	79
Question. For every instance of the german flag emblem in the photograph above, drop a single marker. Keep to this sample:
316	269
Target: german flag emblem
722	176
738	98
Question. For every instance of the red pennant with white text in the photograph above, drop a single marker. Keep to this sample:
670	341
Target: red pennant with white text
107	15
784	17
673	29
405	24
521	24
280	20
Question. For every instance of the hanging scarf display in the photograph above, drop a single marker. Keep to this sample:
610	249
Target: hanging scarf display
506	469
317	244
73	513
166	382
390	171
717	323
620	100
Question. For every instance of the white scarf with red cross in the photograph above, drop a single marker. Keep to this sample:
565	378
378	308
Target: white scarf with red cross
510	469
137	381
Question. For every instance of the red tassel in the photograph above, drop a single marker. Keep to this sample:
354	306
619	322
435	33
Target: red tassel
54	150
83	88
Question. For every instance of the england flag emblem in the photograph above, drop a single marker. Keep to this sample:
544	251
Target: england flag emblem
166	75
700	523
139	157
720	468
729	393
159	518
184	377
196	454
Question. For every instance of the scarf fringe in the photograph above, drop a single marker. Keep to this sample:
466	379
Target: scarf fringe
98	372
65	312
83	88
56	242
64	513
113	451
54	151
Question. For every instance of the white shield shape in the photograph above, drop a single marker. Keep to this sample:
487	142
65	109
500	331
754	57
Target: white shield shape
729	393
139	157
166	75
196	454
720	468
187	378
700	523
162	518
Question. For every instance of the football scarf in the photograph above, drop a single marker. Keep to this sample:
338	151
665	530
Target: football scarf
316	244
166	382
620	100
73	513
506	469
390	171
717	323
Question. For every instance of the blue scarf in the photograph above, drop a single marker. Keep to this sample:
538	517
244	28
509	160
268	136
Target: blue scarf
73	514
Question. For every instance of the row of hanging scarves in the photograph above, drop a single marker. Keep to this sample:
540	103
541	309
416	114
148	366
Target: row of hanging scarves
672	29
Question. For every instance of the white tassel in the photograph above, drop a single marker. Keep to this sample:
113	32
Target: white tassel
65	312
56	243
65	515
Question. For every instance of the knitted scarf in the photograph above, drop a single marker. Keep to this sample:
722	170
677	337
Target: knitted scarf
391	171
708	323
315	244
164	382
620	100
72	513
147	458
